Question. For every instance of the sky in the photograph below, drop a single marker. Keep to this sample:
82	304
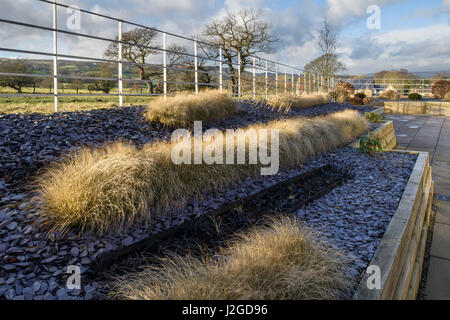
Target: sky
409	34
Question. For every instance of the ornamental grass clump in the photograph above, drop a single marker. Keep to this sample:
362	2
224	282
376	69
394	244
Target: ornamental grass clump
183	109
285	102
108	189
281	261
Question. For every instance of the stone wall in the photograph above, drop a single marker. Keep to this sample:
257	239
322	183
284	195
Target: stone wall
417	107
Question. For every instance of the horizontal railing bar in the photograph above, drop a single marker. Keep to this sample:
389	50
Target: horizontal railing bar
155	66
130	23
101	38
155	29
33	75
58	55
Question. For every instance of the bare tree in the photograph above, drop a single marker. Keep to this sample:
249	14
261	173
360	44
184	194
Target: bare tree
141	46
178	57
327	38
328	63
76	85
47	83
17	82
245	32
104	70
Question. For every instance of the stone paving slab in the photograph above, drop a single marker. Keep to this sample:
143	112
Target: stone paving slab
442	211
438	280
442	153
444	141
440	247
432	134
442	189
441	171
422	142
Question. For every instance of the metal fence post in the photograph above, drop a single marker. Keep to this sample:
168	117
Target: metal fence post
314	83
196	66
239	74
276	79
55	57
220	70
292	79
285	80
120	65
165	66
310	83
304	82
254	79
267	82
317	81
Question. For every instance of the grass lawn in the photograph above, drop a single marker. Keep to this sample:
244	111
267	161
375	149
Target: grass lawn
23	104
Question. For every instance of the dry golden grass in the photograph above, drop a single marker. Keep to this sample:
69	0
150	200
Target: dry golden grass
279	262
349	122
183	109
285	102
110	188
66	104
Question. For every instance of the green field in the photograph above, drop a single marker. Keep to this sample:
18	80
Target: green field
23	104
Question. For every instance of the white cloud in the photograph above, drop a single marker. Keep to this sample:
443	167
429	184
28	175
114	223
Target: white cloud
296	26
446	3
341	11
416	49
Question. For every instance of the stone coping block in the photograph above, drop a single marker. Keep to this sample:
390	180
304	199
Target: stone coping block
441	108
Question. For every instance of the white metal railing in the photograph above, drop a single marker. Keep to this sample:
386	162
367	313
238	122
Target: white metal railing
403	86
264	72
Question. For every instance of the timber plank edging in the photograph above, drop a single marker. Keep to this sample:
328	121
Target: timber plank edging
401	250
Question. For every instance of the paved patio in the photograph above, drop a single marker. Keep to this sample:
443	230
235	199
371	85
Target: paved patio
432	134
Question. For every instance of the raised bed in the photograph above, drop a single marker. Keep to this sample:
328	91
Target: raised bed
47	254
385	132
271	199
401	251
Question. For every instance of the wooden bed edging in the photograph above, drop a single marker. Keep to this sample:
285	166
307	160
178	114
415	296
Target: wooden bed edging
401	250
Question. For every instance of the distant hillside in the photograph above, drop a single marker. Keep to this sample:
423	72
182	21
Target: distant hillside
65	67
418	74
